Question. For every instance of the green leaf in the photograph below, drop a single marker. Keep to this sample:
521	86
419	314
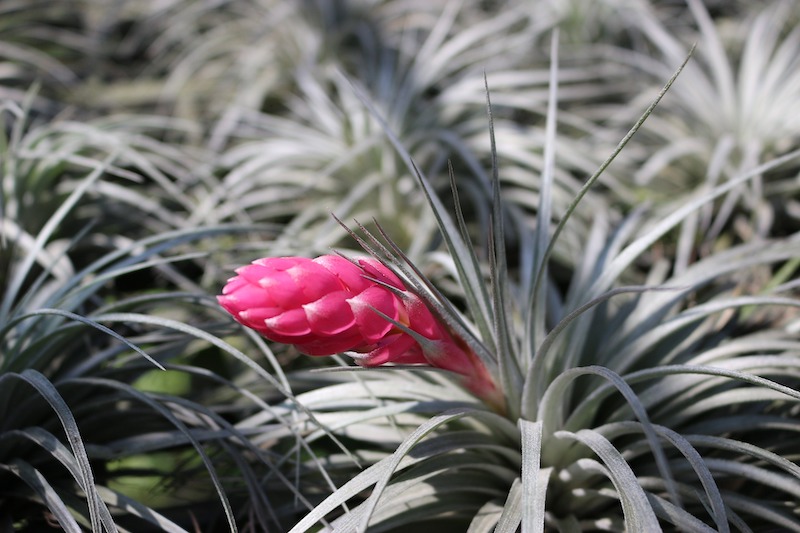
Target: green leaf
98	512
534	478
38	482
511	516
639	514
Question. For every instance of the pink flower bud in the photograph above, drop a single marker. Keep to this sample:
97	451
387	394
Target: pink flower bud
329	305
323	306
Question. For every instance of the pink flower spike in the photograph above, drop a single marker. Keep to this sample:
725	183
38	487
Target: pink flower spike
330	305
323	306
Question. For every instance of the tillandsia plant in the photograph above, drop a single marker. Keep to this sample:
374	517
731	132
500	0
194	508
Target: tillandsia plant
664	405
324	154
728	114
106	416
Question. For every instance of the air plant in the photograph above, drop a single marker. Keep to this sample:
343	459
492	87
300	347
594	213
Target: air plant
627	407
110	418
727	115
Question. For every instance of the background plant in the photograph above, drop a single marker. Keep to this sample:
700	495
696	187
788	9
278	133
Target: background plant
93	301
